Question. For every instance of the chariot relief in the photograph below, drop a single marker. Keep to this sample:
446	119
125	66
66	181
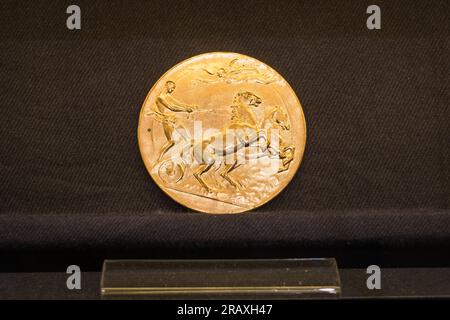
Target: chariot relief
222	133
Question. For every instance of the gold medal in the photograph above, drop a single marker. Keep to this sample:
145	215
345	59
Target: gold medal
222	133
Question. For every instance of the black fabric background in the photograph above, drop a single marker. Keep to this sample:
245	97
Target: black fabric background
374	182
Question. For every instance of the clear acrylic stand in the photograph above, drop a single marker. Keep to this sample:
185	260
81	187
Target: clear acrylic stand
220	279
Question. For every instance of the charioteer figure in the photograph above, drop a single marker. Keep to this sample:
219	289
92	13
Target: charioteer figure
166	102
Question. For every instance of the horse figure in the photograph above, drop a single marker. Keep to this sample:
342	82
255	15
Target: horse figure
243	132
217	147
274	119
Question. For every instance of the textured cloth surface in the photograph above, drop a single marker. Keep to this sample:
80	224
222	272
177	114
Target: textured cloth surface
376	167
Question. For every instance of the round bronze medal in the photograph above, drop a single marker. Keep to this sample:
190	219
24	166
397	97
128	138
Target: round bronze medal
222	133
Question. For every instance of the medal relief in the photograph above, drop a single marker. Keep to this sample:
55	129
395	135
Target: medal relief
222	133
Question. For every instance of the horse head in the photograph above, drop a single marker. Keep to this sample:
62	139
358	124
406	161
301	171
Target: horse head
278	118
247	98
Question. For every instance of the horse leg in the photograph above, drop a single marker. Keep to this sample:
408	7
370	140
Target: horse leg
202	168
286	156
225	174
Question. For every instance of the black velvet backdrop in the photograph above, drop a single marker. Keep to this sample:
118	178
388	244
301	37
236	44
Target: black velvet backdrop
374	182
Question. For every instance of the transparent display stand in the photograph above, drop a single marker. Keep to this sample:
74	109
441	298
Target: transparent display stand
220	279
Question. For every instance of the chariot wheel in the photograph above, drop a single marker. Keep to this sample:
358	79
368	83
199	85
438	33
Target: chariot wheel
170	172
